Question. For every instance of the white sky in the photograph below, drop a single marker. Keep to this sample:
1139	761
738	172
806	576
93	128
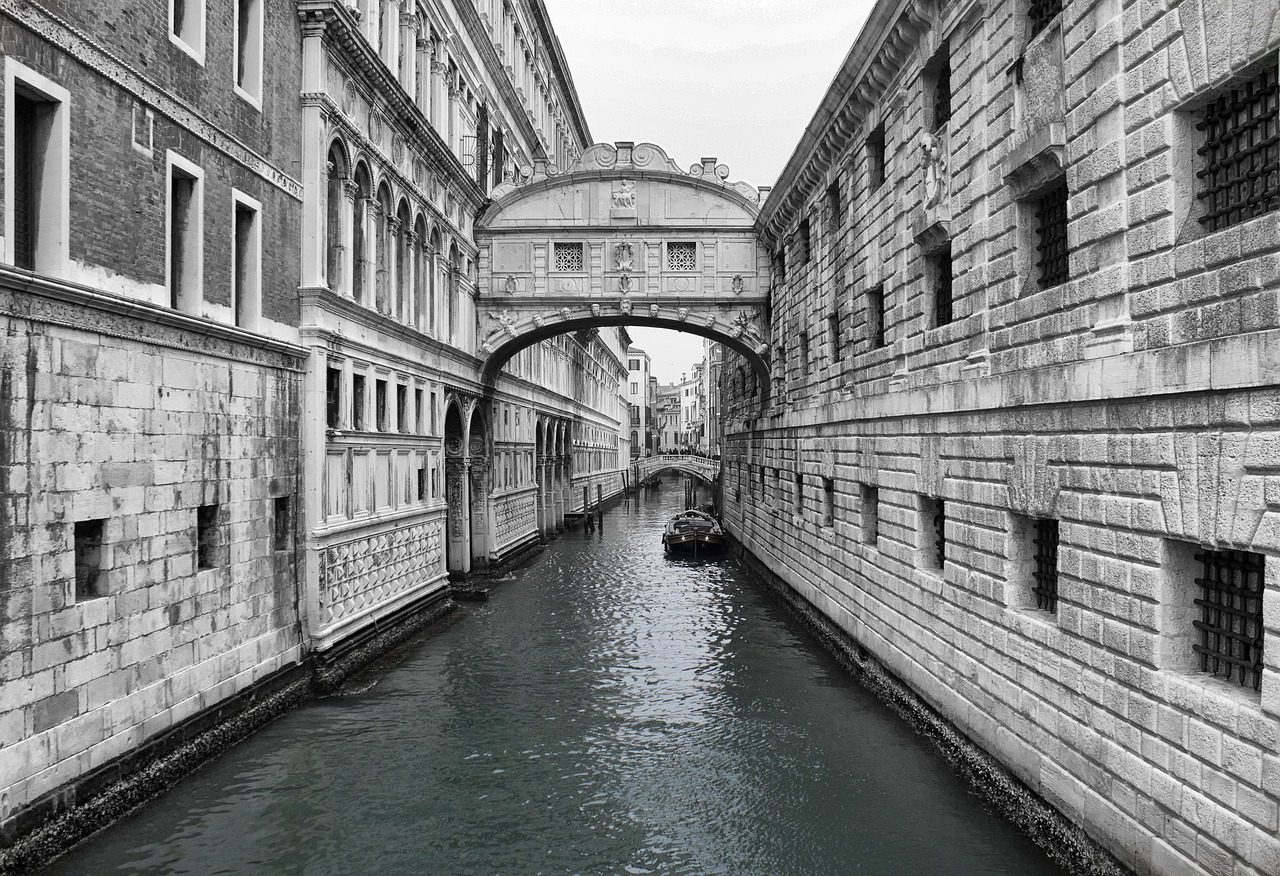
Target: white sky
737	79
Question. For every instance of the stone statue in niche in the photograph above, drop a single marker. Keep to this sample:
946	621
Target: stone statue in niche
624	195
935	170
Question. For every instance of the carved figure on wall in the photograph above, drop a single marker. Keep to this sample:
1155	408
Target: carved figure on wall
653	310
737	284
510	285
682	312
595	310
565	314
624	283
935	170
539	321
624	195
624	257
506	320
710	321
626	306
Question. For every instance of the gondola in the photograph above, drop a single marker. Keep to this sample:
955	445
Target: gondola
692	532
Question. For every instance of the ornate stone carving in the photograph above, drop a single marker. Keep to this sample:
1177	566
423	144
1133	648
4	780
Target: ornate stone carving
624	196
682	312
595	309
509	285
565	313
935	169
625	306
624	254
737	284
653	309
506	321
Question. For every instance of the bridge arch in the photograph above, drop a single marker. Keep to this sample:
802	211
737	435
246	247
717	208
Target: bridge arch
623	237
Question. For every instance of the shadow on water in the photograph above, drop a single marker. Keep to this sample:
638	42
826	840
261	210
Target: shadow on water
609	710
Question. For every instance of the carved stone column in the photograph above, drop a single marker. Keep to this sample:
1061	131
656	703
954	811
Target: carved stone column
481	530
457	494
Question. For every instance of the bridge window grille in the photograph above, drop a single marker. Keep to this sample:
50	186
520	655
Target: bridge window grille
1052	252
1241	174
568	257
1230	624
682	257
1041	12
1044	572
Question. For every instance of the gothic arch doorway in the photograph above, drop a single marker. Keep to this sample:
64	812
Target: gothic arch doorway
478	465
457	494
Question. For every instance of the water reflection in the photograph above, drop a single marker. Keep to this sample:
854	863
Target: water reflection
610	710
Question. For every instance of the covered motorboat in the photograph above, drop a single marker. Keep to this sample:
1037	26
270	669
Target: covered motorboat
692	532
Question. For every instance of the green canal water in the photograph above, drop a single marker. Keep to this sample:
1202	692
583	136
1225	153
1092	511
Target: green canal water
608	711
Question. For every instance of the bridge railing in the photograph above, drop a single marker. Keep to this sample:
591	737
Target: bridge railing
705	466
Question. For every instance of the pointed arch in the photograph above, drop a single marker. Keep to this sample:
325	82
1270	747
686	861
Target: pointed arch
360	206
336	215
403	303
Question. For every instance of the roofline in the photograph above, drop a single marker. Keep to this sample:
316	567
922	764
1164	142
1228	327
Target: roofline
579	119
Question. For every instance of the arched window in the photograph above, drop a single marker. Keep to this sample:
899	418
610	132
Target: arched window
360	233
404	264
454	270
434	281
384	246
334	238
421	270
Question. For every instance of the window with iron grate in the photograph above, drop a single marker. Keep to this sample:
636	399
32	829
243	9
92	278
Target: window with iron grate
1240	176
1229	627
1041	12
1044	557
568	256
1052	252
682	256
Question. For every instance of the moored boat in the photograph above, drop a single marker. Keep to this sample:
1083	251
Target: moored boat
691	532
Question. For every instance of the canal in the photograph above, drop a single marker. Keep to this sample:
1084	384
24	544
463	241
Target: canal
607	711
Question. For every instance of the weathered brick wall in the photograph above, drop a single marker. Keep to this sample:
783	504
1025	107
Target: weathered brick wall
1135	404
109	416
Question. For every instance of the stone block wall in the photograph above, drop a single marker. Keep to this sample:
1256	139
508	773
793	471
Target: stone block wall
125	608
896	482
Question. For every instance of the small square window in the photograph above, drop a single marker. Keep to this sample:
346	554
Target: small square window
1052	262
682	257
875	316
1229	622
282	519
828	502
1041	12
568	257
940	269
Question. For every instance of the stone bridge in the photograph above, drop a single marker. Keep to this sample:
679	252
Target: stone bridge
699	466
623	237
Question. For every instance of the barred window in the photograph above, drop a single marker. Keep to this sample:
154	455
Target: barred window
1051	228
682	257
1044	556
1240	177
875	316
1041	12
1230	609
568	256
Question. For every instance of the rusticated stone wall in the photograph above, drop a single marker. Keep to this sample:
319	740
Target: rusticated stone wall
1133	402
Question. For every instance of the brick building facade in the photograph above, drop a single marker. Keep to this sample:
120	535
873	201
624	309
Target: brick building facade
1022	440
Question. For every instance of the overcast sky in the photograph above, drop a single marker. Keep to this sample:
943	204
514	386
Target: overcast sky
734	79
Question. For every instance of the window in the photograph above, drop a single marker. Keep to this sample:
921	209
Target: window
780	265
937	79
1041	12
422	484
357	402
940	269
870	514
1229	621
833	336
380	405
434	430
37	193
633	364
875	316
402	407
89	556
1044	559
419	413
833	204
1240	177
246	279
333	398
682	257
248	52
797	492
568	256
282	520
186	234
933	533
635	388
876	170
828	502
804	351
186	27
802	242
1052	263
207	537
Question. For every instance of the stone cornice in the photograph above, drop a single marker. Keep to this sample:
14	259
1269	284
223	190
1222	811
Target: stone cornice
342	31
25	295
882	49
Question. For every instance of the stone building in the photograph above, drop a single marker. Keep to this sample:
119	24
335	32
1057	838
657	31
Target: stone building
243	421
1022	441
